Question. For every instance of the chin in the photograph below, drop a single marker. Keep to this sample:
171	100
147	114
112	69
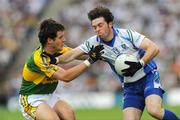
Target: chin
100	36
59	49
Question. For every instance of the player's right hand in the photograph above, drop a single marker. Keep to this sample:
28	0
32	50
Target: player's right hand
95	53
132	69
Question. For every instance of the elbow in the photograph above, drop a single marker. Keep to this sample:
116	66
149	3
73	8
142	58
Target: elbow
67	80
63	76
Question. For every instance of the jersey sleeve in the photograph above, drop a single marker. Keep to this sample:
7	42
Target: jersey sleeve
65	49
43	65
135	37
86	46
49	70
132	36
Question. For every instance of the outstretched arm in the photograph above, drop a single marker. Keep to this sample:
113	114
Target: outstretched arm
70	74
69	56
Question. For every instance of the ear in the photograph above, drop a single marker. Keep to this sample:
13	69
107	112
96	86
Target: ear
49	41
110	24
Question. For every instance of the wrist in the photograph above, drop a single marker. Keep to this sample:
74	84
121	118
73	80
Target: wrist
87	63
91	61
142	62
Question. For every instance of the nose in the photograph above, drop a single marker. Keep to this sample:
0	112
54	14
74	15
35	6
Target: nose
97	29
64	39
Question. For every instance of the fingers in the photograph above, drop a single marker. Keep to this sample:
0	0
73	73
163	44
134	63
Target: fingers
128	74
99	48
125	70
129	62
102	52
96	52
92	47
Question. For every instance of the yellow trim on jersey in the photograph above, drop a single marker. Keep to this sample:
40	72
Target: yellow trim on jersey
43	67
29	109
37	78
32	76
65	49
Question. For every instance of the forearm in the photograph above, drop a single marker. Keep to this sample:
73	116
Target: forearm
75	53
75	72
82	57
70	74
151	51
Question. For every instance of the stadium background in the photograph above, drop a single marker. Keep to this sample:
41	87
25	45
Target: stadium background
98	87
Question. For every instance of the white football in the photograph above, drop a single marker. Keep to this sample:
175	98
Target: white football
119	62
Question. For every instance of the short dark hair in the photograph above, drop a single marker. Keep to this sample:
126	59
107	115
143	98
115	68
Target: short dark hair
101	11
48	29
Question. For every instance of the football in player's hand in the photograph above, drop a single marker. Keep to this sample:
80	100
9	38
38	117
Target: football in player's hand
120	62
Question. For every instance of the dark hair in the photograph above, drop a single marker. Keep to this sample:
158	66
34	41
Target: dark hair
101	12
48	29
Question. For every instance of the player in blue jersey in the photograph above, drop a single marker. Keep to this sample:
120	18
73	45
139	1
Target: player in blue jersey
141	81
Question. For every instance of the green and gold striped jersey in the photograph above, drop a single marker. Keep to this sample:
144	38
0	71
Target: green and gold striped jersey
37	74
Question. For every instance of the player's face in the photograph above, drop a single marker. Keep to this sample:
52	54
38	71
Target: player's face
59	41
102	28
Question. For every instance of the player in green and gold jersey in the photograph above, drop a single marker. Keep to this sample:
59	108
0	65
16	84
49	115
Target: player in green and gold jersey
41	75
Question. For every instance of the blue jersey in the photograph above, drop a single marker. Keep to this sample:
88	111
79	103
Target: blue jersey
124	41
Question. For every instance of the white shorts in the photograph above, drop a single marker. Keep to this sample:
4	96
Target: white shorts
30	103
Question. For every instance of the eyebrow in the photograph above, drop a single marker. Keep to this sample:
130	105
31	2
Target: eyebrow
97	24
60	36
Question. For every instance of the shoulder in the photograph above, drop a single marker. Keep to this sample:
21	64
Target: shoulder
120	31
35	61
86	46
36	58
65	49
93	38
123	31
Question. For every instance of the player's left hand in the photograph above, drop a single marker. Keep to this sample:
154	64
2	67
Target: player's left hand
95	53
132	69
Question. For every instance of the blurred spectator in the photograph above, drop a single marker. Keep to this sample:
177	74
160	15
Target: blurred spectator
91	82
17	22
175	66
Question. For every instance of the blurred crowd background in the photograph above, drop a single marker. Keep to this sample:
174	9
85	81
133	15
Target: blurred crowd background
159	20
18	19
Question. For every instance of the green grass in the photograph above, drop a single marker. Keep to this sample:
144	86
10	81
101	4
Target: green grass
7	115
113	114
87	114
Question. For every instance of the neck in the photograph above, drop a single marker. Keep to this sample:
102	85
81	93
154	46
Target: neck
49	50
